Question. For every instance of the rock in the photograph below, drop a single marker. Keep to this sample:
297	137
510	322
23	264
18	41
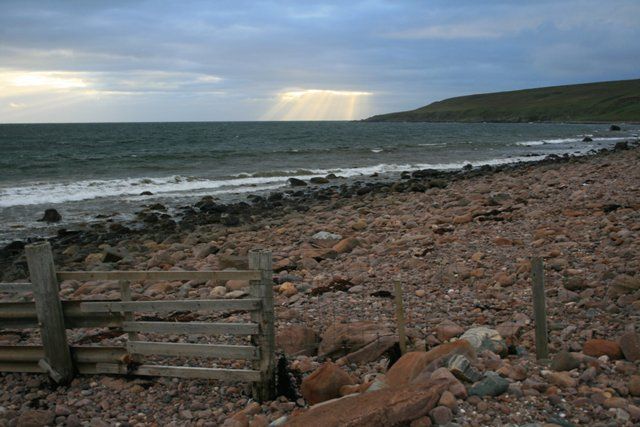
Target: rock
346	245
614	128
36	418
630	346
575	283
236	285
463	219
319	180
295	182
615	402
587	139
491	385
483	338
441	415
448	399
385	407
564	361
371	351
297	340
634	386
288	289
341	339
410	367
235	294
325	235
421	422
324	383
598	347
218	292
447	330
51	215
561	379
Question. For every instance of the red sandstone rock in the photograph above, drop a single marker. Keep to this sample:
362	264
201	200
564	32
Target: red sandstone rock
325	383
597	348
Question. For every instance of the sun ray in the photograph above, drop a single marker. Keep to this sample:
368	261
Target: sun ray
316	104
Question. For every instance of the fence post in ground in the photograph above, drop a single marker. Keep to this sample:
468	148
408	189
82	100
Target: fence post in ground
402	339
57	361
263	289
539	308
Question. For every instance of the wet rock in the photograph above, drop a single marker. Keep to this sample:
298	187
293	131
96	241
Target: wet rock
598	347
325	383
319	180
491	385
51	215
613	128
587	139
295	182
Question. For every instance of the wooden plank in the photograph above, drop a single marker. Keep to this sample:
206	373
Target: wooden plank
16	287
539	308
246	352
168	306
191	328
205	373
159	275
49	309
80	354
265	389
23	315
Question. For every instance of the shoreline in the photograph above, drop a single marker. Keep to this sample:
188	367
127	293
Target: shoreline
460	248
153	220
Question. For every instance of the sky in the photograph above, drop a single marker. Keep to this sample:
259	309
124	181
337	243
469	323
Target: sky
114	61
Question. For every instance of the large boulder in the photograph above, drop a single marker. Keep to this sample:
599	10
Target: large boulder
297	340
386	407
630	346
325	383
341	339
415	365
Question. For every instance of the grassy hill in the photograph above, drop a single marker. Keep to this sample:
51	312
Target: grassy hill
590	102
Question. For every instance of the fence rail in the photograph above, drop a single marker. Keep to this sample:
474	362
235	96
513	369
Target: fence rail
54	316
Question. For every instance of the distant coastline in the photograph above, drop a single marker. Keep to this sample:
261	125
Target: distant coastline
589	103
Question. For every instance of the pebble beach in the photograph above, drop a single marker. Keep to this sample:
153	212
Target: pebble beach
460	244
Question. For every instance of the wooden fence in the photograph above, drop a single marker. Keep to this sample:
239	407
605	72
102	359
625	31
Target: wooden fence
53	317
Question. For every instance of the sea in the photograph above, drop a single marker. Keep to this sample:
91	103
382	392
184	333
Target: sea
86	171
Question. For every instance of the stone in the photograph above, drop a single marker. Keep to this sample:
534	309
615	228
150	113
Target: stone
237	285
564	361
324	383
448	329
463	219
575	283
235	294
561	379
288	289
614	128
483	338
448	399
441	415
455	386
491	385
346	245
36	418
325	235
371	351
599	347
218	292
410	366
341	339
297	340
51	215
295	182
630	346
634	386
421	422
384	407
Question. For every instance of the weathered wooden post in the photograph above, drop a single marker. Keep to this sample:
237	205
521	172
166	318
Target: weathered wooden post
57	361
402	339
263	289
539	308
